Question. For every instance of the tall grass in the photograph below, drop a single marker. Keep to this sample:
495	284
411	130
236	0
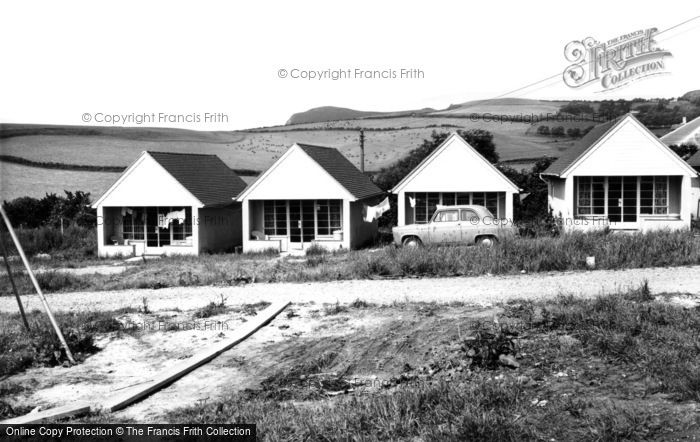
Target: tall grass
567	252
75	242
660	339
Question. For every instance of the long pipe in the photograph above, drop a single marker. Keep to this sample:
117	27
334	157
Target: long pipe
18	246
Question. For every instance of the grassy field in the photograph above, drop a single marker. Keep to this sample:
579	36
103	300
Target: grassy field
567	252
386	140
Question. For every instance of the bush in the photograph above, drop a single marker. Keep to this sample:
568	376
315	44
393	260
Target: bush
41	346
211	309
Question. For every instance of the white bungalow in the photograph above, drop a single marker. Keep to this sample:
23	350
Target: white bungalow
622	176
310	195
454	173
169	204
694	162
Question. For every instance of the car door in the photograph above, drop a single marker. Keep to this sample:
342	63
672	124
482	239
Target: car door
470	226
445	227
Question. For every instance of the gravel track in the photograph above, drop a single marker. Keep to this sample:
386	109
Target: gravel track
482	290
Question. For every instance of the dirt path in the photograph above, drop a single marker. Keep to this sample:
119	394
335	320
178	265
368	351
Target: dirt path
484	290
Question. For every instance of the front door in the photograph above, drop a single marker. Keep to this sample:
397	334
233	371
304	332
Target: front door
622	199
301	223
156	236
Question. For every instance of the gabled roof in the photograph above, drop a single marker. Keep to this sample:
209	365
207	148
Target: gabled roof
593	138
454	135
570	156
204	176
355	183
689	133
342	170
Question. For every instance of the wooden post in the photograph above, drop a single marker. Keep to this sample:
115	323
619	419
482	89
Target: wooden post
362	150
12	281
18	246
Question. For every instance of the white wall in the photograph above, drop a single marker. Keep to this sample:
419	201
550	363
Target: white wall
146	183
457	168
629	150
296	176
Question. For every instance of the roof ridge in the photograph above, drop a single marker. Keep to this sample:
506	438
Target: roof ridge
182	153
316	145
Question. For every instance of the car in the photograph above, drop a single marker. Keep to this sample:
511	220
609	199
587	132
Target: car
463	224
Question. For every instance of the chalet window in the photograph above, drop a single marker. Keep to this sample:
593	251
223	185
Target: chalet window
591	196
181	228
275	216
133	224
449	198
426	203
425	206
328	216
486	199
653	195
463	198
168	226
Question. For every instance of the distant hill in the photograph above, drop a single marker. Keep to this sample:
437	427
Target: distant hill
37	158
332	113
691	96
504	106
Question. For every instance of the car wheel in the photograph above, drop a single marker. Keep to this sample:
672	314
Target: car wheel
486	241
411	241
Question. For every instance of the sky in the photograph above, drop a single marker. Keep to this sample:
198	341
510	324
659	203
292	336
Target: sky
110	60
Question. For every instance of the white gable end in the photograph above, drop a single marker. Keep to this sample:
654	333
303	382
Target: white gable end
628	150
296	176
147	183
456	167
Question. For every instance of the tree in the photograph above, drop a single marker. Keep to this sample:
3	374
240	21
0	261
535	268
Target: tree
532	214
684	151
543	130
577	108
573	132
558	131
51	209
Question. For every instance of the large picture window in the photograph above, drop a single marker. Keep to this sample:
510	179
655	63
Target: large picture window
328	216
133	222
622	198
591	196
275	216
168	226
424	204
281	216
653	195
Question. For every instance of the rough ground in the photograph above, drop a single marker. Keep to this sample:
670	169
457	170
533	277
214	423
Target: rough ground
378	335
482	290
